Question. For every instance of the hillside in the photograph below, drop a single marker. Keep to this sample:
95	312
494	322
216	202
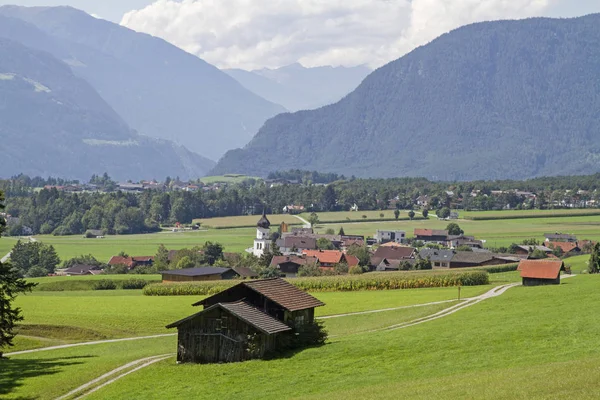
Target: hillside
53	123
506	99
298	88
158	89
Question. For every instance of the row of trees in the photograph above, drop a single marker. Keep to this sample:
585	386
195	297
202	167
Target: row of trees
50	211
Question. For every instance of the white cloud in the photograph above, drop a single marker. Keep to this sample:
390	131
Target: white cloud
270	33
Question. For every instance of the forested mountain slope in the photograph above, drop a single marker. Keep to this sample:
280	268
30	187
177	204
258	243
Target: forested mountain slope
299	88
53	123
506	99
158	89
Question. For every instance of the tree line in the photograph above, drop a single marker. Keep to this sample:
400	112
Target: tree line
50	211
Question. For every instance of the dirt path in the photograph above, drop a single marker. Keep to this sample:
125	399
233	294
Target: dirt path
305	222
124	370
388	309
64	346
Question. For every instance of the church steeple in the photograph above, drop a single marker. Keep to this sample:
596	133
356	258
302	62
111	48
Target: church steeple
263	222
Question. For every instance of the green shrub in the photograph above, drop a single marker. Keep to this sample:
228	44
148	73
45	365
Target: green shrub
134	284
501	268
355	270
104	284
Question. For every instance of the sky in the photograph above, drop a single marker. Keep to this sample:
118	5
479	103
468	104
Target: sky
241	34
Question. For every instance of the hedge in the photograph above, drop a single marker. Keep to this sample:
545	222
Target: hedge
340	283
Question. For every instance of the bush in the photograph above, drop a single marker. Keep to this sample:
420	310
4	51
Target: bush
134	284
355	270
105	284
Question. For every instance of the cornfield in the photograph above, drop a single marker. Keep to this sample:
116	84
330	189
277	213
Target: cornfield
340	283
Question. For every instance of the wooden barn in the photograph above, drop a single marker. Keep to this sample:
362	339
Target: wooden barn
541	272
248	320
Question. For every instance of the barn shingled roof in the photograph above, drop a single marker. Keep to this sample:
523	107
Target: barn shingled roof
247	313
540	269
277	290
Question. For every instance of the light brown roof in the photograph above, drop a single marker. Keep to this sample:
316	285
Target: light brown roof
325	256
284	293
430	232
247	313
277	290
394	253
565	246
540	269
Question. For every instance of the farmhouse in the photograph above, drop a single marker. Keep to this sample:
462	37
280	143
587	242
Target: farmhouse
568	248
199	274
525	250
431	235
131	262
329	258
560	237
392	255
464	259
246	321
289	265
540	272
80	269
295	244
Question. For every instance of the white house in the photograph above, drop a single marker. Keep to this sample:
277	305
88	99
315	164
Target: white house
390	236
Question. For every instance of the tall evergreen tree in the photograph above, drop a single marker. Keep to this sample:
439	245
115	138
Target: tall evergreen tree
11	284
594	263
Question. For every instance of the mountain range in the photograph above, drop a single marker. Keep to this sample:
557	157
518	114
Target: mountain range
299	88
54	123
158	89
492	100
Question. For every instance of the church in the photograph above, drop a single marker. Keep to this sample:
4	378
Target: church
262	242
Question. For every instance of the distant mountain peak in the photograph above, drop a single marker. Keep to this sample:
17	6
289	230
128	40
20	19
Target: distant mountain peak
493	100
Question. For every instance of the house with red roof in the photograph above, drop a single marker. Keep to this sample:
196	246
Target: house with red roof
328	259
541	272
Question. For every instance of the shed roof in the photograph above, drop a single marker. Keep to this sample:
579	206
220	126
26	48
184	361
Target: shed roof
430	232
279	291
247	313
245	272
540	269
196	271
325	256
565	246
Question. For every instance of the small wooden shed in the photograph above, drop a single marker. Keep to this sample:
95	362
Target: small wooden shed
243	322
541	272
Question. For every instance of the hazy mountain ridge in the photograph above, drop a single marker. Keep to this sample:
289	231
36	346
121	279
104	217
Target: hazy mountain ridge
53	123
298	88
158	89
506	99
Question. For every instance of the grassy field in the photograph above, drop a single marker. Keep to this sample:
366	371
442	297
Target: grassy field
6	244
357	216
247	221
525	332
233	240
531	337
228	178
527	213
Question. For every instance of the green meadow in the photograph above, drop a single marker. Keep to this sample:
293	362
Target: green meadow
247	221
529	343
